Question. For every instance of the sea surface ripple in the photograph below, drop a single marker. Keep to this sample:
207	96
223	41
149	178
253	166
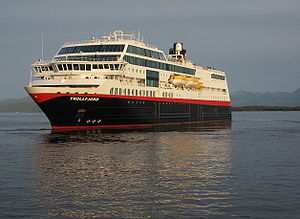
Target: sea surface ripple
249	168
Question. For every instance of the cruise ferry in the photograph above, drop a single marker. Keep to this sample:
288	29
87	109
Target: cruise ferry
119	81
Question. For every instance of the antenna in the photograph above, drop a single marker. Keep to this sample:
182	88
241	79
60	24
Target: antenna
139	35
42	45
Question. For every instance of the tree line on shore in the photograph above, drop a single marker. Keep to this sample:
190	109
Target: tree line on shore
266	108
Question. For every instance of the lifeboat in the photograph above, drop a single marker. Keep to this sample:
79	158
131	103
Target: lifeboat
199	86
177	80
186	81
191	82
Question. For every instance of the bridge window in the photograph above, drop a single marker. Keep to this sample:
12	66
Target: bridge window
91	48
88	67
76	67
82	67
60	67
70	67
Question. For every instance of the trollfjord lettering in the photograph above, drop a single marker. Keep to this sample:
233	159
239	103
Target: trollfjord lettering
89	99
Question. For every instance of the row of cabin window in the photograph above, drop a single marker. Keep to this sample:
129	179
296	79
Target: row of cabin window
158	65
132	92
167	94
87	67
215	76
145	52
92	48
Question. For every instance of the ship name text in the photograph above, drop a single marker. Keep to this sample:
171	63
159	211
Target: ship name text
88	99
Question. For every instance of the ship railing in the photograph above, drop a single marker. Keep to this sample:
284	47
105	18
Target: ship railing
70	58
97	41
33	76
107	40
42	62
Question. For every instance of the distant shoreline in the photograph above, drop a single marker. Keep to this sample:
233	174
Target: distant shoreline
265	108
27	105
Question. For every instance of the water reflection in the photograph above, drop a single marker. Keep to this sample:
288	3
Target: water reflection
135	173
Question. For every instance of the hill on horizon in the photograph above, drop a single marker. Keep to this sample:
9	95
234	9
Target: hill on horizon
238	98
24	105
246	98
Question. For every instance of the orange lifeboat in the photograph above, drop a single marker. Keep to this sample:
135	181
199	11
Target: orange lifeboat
178	80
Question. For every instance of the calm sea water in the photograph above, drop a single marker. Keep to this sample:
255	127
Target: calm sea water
247	169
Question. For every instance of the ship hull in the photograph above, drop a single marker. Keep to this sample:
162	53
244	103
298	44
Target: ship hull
109	111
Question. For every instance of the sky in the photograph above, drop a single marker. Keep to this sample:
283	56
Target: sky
256	42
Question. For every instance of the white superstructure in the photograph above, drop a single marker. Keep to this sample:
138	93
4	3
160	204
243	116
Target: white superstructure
121	64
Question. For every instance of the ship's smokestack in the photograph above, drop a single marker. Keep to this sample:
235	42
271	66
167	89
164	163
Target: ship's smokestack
178	51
